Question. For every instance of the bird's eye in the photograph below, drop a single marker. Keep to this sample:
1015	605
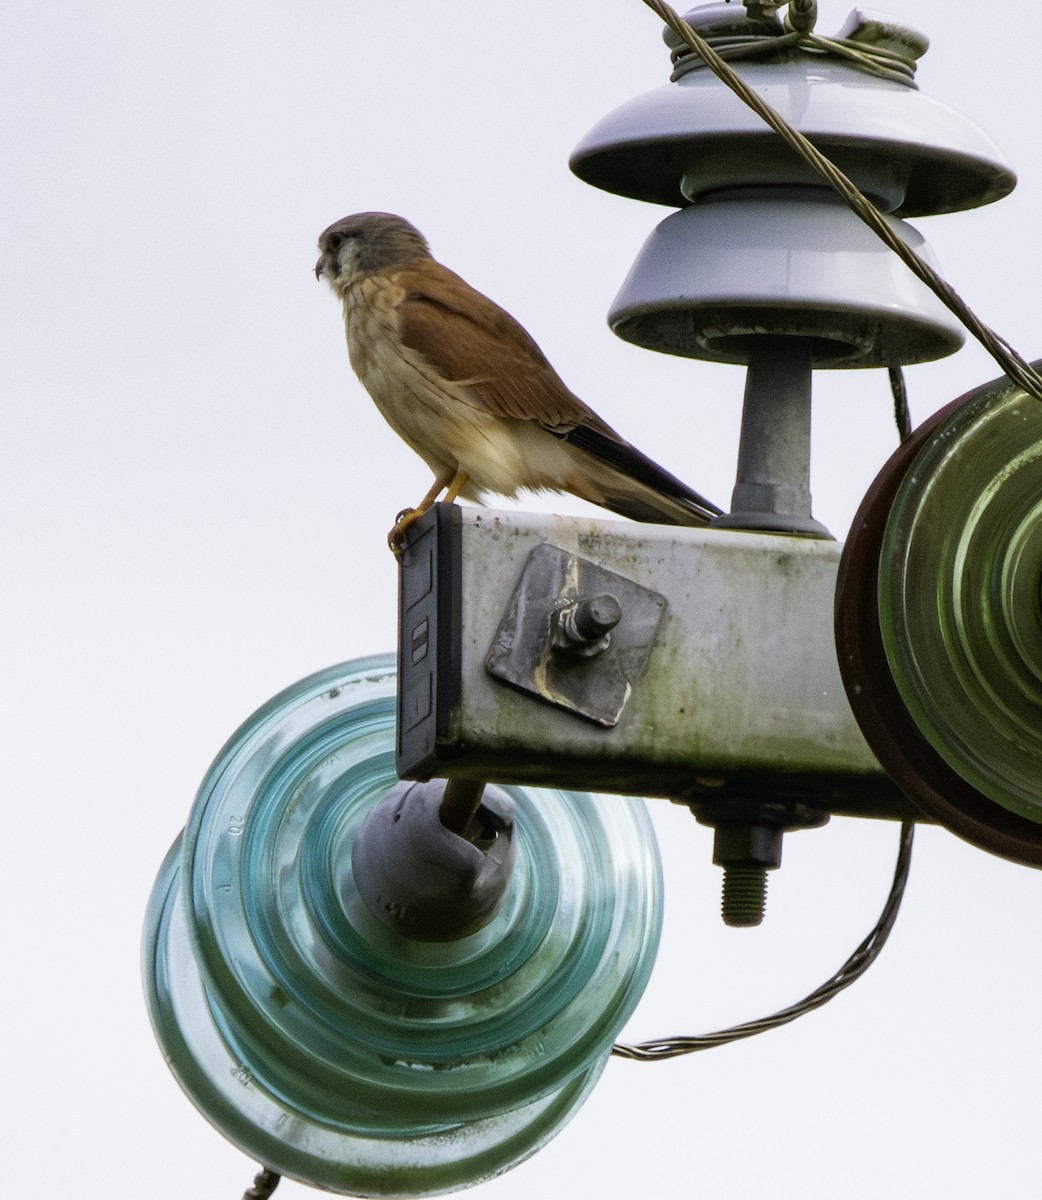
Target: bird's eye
330	243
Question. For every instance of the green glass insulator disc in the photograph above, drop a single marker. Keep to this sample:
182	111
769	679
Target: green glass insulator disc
960	594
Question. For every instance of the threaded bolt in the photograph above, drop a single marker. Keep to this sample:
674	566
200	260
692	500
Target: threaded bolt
584	626
744	895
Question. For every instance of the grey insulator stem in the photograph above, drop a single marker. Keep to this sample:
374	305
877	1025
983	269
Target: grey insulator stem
772	488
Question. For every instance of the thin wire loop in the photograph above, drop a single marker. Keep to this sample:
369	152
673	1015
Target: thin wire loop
800	18
855	966
801	15
1018	370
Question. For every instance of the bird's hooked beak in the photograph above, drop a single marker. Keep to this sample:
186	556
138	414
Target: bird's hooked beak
320	267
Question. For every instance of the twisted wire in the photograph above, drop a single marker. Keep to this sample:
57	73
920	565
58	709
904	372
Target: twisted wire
902	415
264	1184
855	966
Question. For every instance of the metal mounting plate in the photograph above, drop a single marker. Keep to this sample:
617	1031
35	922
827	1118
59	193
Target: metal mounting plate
526	650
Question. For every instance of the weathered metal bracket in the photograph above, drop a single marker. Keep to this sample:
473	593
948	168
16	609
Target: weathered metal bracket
575	634
739	694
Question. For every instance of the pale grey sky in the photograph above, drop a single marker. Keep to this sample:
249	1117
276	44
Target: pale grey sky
196	493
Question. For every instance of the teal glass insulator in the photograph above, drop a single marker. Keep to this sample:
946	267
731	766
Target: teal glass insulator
324	1043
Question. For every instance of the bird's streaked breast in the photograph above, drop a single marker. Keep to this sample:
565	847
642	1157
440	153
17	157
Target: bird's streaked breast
440	421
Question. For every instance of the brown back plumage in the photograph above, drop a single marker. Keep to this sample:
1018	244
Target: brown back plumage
465	335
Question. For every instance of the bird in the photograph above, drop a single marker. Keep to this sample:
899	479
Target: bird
468	389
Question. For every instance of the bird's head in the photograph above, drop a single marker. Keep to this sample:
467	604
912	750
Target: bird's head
363	244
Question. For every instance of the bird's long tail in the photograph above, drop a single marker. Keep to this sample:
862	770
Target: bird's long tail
634	486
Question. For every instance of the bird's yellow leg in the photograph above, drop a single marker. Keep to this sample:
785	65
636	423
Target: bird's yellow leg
455	482
456	486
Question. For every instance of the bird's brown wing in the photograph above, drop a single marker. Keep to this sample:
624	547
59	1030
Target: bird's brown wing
464	335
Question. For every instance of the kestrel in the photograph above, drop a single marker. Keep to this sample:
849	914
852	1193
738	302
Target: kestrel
463	384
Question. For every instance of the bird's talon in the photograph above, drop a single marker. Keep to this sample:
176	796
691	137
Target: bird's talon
396	538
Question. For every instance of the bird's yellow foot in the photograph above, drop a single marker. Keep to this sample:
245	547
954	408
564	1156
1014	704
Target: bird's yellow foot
453	481
401	523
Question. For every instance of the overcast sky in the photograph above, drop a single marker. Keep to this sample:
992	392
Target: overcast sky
195	498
